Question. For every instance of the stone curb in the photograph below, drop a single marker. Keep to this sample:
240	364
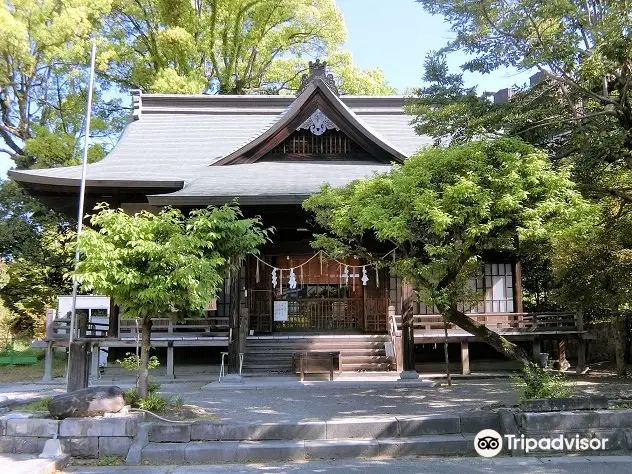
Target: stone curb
321	384
342	428
298	450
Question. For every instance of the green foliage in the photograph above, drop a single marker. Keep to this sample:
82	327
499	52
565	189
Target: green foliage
535	382
444	208
580	110
154	264
153	402
132	362
110	461
164	263
36	406
131	397
225	46
177	401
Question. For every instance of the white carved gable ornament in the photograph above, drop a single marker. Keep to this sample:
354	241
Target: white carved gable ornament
318	123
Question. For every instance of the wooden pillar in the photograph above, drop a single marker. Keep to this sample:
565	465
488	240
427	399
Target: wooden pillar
561	354
233	322
408	333
78	366
113	319
536	349
48	362
581	355
517	286
170	366
465	358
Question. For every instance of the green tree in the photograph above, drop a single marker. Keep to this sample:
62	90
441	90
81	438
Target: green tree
593	269
579	108
165	263
443	209
227	46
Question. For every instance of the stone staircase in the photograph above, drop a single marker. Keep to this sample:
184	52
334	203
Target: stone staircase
388	436
266	355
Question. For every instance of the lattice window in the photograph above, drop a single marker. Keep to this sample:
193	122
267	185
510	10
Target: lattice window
305	143
495	285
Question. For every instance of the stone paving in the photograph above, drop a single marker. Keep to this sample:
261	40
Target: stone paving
531	465
276	399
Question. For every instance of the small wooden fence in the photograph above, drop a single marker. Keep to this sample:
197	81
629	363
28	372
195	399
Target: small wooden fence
218	326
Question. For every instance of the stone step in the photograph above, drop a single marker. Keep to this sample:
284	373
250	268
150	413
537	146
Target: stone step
211	452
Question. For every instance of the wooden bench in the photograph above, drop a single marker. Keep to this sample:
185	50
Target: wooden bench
316	362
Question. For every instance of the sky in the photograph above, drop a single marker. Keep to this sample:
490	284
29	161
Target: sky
396	35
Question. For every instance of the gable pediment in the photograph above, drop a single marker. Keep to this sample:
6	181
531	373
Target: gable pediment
319	112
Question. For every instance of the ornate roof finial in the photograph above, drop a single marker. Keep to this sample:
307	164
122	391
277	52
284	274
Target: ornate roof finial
317	71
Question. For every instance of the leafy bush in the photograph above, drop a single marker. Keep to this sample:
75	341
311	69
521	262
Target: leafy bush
152	386
131	397
177	401
536	382
153	402
132	362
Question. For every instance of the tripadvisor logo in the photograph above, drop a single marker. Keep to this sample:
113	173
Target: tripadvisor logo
489	443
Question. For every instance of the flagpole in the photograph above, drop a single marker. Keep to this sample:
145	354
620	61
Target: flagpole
82	193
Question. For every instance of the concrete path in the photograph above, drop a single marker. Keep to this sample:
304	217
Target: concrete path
562	465
277	399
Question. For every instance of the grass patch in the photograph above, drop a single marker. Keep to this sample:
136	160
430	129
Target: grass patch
35	406
110	461
27	373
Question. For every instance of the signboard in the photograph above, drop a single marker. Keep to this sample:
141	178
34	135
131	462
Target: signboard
212	305
280	310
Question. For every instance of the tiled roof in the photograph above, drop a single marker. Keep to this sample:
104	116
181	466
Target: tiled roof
177	137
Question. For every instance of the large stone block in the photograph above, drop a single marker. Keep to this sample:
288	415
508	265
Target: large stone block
212	452
169	453
28	444
565	404
114	446
300	430
209	431
6	444
557	421
362	428
92	401
115	426
341	448
161	433
134	455
284	450
85	447
615	418
429	445
32	427
475	422
429	425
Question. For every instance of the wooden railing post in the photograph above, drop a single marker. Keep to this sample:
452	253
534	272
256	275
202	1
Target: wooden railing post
408	334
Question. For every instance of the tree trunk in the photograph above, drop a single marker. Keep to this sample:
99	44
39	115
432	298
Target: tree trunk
502	345
620	340
143	370
445	352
